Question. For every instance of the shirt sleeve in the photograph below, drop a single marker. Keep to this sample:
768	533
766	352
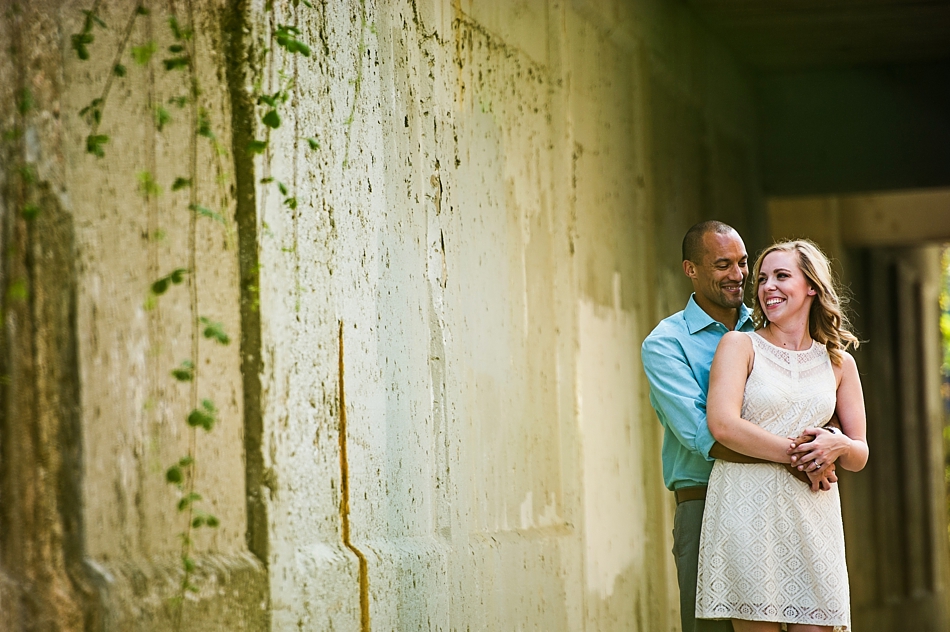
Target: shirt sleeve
677	397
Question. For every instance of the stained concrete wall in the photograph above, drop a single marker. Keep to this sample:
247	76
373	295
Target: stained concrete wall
432	413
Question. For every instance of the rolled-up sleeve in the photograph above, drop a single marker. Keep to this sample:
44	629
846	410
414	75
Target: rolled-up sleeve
676	396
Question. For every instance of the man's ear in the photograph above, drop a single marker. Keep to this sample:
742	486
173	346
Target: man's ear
689	268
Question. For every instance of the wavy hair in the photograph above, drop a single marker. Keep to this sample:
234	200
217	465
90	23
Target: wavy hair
827	321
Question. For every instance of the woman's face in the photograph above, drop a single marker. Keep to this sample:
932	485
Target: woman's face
784	293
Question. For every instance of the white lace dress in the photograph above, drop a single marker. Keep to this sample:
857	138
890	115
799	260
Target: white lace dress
771	549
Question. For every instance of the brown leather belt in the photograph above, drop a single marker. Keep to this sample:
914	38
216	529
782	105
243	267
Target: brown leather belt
690	493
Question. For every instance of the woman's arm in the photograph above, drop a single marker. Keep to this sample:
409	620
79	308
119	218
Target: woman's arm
849	449
730	370
850	411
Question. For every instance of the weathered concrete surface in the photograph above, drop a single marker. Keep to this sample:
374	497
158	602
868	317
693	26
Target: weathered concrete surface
93	530
484	230
442	422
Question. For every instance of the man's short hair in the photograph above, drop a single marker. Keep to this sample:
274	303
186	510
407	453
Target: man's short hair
693	241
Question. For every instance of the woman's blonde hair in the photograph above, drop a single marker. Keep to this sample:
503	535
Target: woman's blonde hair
827	322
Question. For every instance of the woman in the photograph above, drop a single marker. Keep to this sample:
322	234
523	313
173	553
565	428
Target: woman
772	550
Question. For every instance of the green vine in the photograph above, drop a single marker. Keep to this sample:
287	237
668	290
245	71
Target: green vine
284	37
180	57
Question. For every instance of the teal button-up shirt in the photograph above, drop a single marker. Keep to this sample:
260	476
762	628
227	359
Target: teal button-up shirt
677	356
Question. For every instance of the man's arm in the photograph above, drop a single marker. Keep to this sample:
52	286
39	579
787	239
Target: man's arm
676	393
720	451
683	402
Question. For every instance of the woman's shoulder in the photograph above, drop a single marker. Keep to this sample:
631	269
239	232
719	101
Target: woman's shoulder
740	339
847	365
736	342
735	349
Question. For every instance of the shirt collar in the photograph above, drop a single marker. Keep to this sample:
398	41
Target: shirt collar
697	319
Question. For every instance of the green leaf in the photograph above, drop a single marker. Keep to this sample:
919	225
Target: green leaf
147	184
291	202
178	32
204	211
187	500
268	100
208	405
214	331
204	124
296	46
266	180
141	10
92	113
197	522
314	143
271	119
287	29
176	63
94	143
173	25
179	101
176	48
18	290
80	41
185	461
162	117
212	521
201	419
142	54
25	101
178	275
282	188
174	475
28	174
188	564
93	17
185	372
256	146
160	287
30	211
181	183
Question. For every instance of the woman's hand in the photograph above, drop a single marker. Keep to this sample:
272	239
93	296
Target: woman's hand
816	447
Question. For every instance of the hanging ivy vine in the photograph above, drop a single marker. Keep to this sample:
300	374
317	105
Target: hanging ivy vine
180	57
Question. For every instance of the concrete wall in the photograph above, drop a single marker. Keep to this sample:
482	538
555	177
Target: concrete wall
432	412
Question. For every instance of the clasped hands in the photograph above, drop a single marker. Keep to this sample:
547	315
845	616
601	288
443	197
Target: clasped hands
813	455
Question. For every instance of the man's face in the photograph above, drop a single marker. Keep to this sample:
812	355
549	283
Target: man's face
719	279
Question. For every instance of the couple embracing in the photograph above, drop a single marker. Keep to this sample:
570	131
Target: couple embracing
757	407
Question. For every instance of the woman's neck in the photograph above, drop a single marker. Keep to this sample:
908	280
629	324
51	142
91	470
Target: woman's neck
795	337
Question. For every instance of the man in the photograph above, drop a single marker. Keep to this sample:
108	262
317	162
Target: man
677	356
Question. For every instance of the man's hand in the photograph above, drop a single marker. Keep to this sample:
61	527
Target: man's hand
816	448
816	480
823	478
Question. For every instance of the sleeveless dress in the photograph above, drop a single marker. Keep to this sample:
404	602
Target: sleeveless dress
771	549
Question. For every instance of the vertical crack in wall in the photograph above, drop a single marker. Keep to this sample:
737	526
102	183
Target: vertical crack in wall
237	29
365	625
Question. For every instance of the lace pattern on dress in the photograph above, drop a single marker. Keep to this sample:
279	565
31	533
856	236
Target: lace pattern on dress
771	549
